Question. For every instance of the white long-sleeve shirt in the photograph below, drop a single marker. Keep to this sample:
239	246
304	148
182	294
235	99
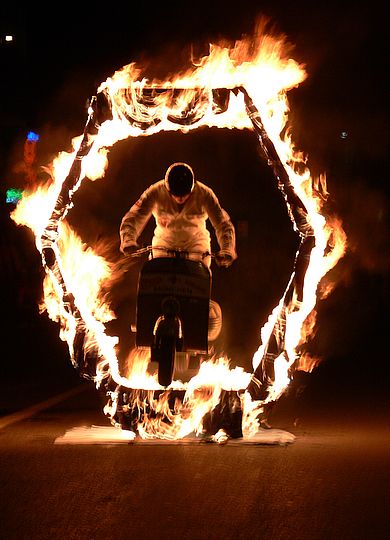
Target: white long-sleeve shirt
179	226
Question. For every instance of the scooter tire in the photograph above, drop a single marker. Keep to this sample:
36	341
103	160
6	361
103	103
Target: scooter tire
166	359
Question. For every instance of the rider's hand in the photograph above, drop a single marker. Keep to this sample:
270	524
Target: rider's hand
223	259
130	250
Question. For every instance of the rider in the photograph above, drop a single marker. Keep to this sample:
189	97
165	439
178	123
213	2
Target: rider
181	207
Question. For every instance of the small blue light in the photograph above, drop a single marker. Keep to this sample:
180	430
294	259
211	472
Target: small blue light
31	136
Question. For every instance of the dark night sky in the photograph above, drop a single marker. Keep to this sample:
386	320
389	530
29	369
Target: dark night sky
59	59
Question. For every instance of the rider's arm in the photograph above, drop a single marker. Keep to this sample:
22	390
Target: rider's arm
135	220
223	226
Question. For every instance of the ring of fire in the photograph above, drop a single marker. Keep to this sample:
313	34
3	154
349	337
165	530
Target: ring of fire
242	87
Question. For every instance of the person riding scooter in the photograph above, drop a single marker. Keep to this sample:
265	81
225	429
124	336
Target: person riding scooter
181	206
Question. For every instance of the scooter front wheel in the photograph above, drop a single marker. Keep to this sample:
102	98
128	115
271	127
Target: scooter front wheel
165	355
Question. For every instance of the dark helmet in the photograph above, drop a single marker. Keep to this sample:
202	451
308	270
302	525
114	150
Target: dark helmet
179	179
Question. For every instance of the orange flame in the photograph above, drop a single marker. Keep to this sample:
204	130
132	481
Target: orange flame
263	66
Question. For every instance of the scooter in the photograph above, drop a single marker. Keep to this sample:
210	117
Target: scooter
173	304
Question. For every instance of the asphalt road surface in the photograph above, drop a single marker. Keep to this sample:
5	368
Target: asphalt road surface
332	482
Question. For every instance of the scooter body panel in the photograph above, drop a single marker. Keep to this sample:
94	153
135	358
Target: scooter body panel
189	282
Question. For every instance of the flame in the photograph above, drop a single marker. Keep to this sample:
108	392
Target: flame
202	395
262	64
307	363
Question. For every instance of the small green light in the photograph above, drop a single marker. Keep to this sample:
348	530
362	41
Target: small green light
13	195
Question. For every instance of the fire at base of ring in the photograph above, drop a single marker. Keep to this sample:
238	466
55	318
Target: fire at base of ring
151	413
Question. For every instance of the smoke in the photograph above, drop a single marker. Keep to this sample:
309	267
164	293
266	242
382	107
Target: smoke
365	213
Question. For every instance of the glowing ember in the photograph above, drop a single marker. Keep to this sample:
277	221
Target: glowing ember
239	87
